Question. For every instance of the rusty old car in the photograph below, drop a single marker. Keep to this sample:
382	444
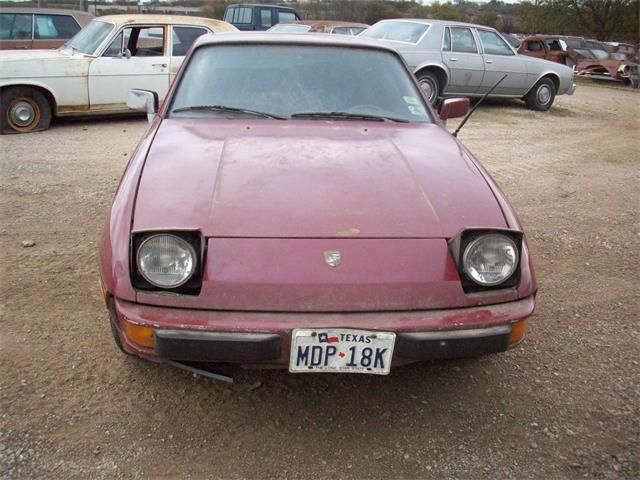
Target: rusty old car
552	48
305	208
92	73
460	59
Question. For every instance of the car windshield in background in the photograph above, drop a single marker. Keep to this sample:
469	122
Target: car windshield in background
281	81
289	28
584	52
409	32
90	37
600	54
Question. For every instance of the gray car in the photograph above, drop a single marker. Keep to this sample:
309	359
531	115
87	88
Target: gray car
453	58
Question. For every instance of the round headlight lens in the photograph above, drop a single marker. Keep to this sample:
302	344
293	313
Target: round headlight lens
166	261
490	259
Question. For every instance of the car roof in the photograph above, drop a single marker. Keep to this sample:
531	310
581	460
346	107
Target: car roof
260	5
312	39
51	11
122	19
436	22
333	23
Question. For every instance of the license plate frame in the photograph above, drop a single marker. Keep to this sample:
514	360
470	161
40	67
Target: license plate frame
329	350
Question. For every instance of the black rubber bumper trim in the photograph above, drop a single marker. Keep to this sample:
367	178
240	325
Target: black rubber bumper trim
217	346
452	343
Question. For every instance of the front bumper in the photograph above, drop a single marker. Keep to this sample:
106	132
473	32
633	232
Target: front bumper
255	338
571	89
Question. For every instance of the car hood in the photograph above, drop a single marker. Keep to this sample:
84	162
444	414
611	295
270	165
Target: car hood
32	63
311	179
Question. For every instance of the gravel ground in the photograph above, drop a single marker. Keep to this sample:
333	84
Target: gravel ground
563	405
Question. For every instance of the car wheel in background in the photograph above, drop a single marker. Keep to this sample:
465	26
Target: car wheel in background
23	110
430	86
541	96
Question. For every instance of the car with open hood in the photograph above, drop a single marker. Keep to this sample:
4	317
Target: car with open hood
306	208
454	58
92	73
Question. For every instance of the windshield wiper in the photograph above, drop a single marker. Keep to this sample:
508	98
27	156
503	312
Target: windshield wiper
224	108
348	116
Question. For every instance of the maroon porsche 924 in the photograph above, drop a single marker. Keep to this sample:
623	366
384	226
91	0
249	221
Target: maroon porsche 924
296	202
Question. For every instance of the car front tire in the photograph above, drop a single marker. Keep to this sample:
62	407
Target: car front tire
24	110
541	96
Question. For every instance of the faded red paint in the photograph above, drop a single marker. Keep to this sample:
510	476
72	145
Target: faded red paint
269	197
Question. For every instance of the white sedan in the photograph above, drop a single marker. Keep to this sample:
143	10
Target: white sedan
92	73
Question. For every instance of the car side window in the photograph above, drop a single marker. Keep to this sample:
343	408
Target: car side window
15	26
117	46
183	38
286	17
265	17
446	43
534	46
140	41
493	43
462	40
242	15
228	16
55	26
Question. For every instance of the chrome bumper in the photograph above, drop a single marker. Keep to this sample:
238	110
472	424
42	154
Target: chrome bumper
571	89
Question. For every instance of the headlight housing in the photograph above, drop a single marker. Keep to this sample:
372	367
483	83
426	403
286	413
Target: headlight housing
166	260
490	259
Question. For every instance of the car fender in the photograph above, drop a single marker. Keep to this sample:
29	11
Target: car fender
433	64
29	82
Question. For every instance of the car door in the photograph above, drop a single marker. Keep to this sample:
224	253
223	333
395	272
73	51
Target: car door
500	59
51	31
136	58
16	31
461	55
182	37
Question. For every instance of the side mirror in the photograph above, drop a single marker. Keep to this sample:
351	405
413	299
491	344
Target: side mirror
143	101
126	53
454	107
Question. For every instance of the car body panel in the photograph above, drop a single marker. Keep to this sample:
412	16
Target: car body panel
472	74
92	84
382	182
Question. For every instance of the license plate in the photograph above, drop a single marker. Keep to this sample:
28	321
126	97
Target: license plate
341	350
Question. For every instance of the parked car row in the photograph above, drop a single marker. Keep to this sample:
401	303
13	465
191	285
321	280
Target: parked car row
92	72
591	58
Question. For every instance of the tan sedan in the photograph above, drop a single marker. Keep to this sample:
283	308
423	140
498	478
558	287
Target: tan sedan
28	28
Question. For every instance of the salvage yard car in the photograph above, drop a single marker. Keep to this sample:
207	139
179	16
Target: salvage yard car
92	73
305	208
452	58
28	28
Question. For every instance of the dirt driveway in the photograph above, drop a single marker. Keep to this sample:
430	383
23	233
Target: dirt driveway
564	405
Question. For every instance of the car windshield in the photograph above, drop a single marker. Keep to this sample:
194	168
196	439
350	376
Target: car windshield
584	52
600	54
409	32
88	39
289	28
305	81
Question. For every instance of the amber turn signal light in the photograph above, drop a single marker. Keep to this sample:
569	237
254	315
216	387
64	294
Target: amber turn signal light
517	332
140	334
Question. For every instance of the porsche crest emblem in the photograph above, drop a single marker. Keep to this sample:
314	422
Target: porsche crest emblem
332	258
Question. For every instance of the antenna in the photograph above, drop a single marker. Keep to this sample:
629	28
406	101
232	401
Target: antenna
466	117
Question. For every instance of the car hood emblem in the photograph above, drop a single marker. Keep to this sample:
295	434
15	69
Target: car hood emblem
332	258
